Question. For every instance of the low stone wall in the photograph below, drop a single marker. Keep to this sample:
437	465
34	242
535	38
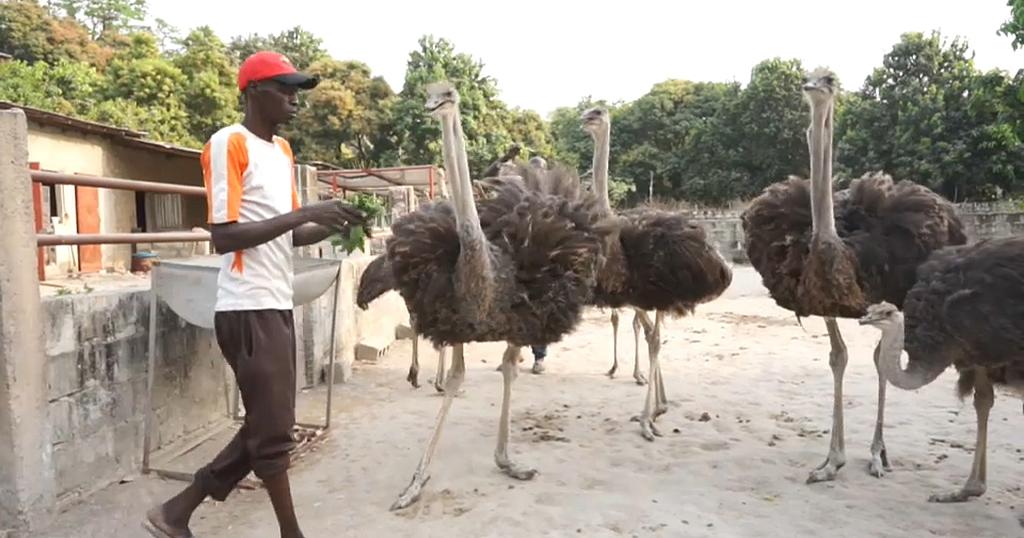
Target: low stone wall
726	231
96	348
992	219
982	220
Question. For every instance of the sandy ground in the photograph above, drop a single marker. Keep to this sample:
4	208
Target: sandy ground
762	380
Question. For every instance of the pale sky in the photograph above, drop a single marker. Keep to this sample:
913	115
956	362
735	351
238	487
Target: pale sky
546	54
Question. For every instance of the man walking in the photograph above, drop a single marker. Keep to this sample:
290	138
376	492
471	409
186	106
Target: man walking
256	220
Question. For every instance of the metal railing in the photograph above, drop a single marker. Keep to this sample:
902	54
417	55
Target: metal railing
53	178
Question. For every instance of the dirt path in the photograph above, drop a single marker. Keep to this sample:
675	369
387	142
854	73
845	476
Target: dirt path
751	396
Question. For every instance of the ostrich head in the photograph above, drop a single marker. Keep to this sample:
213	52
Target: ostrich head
539	163
820	86
442	98
881	315
595	119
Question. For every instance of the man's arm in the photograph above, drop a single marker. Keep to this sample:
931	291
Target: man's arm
312	223
310	233
232	236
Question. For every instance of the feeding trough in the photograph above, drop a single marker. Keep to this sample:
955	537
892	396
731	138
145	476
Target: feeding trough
189	287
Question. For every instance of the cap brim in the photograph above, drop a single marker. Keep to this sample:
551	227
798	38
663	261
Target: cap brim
299	80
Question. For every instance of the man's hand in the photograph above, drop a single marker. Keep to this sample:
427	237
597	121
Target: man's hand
333	214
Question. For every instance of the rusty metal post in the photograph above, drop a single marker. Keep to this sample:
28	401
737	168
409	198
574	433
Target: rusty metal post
37	207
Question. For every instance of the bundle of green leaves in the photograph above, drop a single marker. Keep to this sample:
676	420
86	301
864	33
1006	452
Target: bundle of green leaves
356	237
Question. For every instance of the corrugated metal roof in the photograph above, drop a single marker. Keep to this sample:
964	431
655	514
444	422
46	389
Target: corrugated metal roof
127	137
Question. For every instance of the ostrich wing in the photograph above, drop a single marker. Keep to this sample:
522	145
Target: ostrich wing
985	310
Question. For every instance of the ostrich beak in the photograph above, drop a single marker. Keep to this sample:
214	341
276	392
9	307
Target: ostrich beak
868	319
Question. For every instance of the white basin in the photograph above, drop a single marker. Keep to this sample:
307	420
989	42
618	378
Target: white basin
189	285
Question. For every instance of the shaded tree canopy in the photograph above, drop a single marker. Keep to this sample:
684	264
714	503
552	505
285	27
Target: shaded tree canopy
925	113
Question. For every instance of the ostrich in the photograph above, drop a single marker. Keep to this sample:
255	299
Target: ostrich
377	280
967	310
658	260
517	267
831	258
597	123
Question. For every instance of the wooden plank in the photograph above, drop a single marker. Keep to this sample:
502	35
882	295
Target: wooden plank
87	202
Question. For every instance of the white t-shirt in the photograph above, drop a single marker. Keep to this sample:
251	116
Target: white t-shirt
249	179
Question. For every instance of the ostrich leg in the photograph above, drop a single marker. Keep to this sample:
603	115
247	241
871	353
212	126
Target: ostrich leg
653	333
837	449
414	368
661	401
421	476
615	342
509	372
975	486
439	380
879	458
637	374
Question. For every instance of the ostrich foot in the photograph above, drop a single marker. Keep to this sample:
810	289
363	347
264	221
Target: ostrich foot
413	378
647	428
611	373
639	377
439	385
458	394
970	490
879	462
516	471
412	492
827	471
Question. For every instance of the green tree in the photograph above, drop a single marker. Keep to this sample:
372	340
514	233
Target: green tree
346	119
928	115
301	47
104	17
145	91
71	88
768	125
209	91
1014	26
652	137
29	32
529	130
484	116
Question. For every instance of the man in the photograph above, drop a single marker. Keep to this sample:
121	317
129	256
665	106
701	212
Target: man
256	220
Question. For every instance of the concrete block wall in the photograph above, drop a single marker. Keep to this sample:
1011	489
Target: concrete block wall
96	351
726	231
993	219
982	220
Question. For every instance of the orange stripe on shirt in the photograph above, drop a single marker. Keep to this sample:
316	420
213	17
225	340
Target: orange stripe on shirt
238	161
286	148
204	161
237	264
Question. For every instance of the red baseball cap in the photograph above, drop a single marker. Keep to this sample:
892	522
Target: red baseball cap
267	64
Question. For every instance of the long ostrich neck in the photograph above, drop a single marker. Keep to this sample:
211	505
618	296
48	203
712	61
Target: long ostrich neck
462	161
474	272
891	348
820	138
602	149
449	151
